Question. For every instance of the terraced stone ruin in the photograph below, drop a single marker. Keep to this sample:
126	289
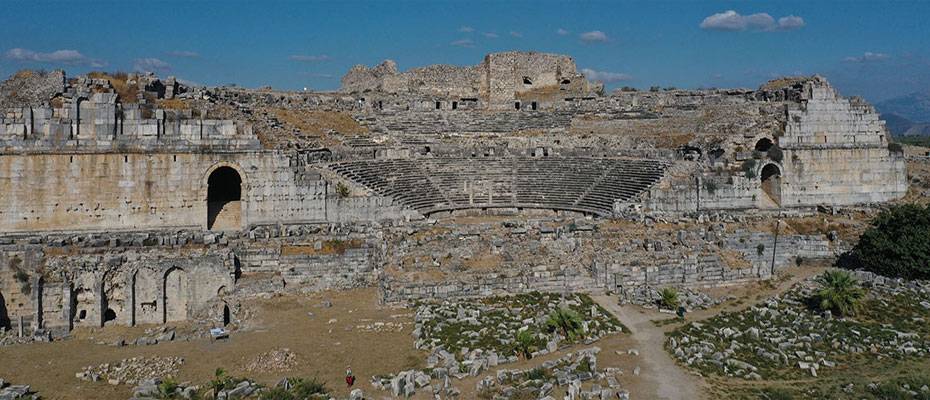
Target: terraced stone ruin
135	201
105	179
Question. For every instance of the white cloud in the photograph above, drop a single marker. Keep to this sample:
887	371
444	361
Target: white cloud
791	22
490	35
68	57
463	43
150	65
466	29
562	32
604	76
867	56
735	22
593	37
310	58
183	54
516	34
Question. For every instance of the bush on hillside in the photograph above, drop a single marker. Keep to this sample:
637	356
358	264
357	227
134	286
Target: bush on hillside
896	245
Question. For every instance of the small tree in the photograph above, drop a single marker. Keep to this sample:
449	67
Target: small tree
566	322
526	344
897	244
749	168
776	154
668	298
342	190
839	293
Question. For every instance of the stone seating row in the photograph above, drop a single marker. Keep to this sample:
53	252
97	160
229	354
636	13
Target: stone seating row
589	185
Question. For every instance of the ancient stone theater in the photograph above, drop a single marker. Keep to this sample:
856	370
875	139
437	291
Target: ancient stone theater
133	199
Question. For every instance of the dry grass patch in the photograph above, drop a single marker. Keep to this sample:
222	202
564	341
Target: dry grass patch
128	93
320	122
328	247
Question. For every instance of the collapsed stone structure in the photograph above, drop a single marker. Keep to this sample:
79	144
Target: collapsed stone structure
137	200
503	81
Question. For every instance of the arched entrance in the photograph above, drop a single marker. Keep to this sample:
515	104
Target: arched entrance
145	298
5	322
771	182
175	298
224	196
764	144
227	316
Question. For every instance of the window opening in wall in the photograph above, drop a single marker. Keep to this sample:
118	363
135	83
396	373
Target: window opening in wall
226	315
516	105
438	105
175	158
533	106
125	159
82	315
455	105
109	315
527	80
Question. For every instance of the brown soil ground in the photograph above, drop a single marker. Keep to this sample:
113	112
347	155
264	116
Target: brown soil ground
323	350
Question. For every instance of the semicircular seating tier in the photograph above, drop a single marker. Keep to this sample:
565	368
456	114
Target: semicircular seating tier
589	185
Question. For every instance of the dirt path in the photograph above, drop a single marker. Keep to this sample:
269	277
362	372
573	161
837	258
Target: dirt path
664	379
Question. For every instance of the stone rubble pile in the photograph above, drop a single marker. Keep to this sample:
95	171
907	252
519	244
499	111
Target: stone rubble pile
648	297
576	373
785	334
275	360
16	392
467	337
131	371
149	389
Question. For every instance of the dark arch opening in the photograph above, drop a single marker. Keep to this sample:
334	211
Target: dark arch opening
5	322
769	171
764	144
109	315
771	182
227	317
224	193
82	314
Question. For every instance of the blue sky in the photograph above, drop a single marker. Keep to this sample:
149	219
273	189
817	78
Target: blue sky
875	49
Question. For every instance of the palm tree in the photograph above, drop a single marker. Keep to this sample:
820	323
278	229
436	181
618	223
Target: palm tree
668	298
566	321
525	345
839	292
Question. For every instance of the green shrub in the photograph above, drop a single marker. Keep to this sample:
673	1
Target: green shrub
775	394
668	298
749	168
526	344
538	373
839	293
895	147
897	244
776	154
760	249
276	393
710	186
342	190
304	388
566	322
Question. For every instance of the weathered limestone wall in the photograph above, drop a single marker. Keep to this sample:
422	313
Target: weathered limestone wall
132	191
55	287
840	176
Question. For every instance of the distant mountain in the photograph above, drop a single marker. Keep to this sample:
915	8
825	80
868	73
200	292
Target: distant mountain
896	123
914	107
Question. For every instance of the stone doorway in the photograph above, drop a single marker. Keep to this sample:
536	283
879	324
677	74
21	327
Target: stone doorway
224	199
5	322
771	182
176	295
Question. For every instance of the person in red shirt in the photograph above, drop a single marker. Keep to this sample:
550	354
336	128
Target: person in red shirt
350	379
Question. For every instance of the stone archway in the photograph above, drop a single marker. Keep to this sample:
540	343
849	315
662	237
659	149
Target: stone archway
763	145
176	294
5	322
224	199
144	297
771	182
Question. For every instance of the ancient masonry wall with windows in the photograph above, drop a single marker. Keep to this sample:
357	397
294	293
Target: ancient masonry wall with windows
113	214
